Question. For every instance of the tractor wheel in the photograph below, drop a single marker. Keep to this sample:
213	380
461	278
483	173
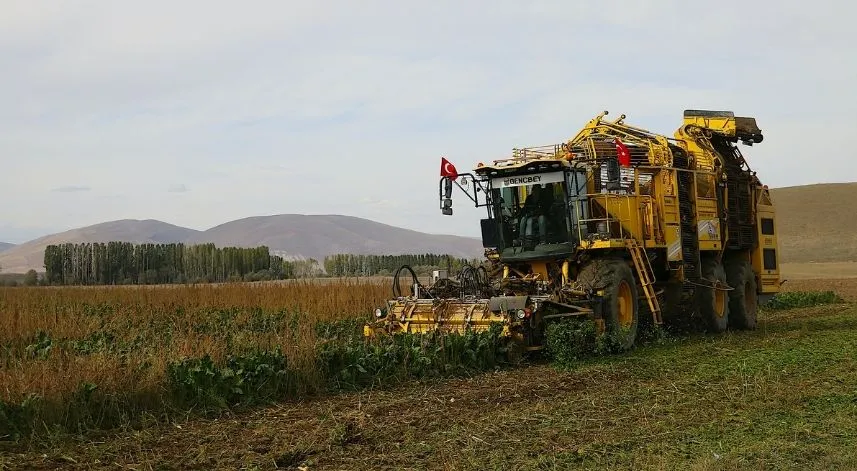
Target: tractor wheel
515	352
673	308
621	309
713	302
743	300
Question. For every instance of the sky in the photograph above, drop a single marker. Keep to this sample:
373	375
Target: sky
201	112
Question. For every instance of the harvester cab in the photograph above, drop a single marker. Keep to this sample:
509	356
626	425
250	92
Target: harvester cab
615	222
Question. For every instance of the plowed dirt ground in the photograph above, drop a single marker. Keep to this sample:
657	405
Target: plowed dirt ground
845	287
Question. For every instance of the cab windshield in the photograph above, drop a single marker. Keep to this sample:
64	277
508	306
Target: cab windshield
532	214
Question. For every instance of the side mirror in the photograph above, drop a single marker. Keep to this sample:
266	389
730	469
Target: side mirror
447	206
447	189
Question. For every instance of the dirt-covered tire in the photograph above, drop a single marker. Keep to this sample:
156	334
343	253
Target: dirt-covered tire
713	302
621	309
743	300
514	352
673	307
677	308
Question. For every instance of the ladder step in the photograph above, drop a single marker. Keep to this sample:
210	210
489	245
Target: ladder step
644	272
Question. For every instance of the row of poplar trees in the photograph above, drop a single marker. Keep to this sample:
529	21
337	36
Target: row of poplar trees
370	265
128	263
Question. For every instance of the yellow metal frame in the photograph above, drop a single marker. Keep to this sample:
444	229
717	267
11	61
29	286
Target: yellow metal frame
769	280
422	316
635	221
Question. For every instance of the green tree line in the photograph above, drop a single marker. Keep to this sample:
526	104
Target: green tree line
128	263
112	263
370	265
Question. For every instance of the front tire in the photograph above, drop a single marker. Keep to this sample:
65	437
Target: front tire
713	301
621	309
743	300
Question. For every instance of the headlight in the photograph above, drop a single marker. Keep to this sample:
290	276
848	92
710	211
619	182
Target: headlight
521	313
379	312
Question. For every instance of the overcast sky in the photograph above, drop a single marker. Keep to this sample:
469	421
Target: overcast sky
200	112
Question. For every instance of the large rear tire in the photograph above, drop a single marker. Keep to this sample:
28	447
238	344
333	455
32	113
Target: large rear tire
621	309
677	309
743	300
713	301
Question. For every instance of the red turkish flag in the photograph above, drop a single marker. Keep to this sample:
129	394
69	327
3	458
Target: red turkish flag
623	154
447	169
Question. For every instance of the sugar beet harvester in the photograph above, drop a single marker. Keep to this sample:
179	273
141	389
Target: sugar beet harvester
618	226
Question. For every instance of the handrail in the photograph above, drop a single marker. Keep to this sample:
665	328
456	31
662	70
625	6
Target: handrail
624	217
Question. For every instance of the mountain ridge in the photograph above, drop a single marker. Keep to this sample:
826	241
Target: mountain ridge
30	255
814	224
293	236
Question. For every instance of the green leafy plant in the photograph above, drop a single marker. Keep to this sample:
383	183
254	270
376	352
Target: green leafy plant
800	299
243	379
16	419
41	346
569	340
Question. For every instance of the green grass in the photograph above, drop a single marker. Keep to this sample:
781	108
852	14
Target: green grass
781	397
796	299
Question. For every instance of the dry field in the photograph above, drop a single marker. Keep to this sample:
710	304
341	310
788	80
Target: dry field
822	270
814	222
98	354
844	287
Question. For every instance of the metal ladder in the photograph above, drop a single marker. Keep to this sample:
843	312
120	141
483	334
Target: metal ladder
644	272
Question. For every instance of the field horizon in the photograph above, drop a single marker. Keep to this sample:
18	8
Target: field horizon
819	210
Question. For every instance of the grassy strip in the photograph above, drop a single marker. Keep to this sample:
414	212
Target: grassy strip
571	342
799	299
782	397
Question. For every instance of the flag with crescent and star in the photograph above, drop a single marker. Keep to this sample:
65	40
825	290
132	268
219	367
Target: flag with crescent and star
622	153
447	169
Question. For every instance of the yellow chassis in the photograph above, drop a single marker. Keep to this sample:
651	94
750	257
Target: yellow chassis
426	315
453	315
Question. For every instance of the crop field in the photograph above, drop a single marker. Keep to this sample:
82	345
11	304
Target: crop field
275	376
78	358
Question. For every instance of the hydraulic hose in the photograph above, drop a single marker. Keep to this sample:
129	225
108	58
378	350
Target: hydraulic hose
397	290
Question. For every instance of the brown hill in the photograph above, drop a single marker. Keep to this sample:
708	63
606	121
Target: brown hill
31	254
314	236
5	246
815	223
290	235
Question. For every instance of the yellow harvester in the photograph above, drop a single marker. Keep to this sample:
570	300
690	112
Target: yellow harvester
614	222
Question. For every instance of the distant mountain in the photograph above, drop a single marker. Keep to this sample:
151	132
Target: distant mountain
23	257
814	224
315	236
5	246
292	236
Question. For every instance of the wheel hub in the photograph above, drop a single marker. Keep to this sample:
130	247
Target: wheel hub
719	300
626	306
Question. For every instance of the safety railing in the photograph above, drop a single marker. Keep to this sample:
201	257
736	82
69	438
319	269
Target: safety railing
631	216
537	152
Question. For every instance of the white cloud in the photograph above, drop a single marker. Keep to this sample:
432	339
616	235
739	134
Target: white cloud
71	189
272	107
178	188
